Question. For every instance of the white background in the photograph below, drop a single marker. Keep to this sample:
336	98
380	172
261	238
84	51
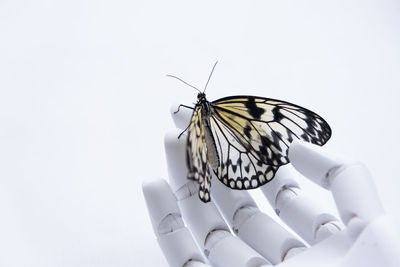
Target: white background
84	105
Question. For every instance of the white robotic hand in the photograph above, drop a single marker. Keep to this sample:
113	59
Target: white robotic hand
192	233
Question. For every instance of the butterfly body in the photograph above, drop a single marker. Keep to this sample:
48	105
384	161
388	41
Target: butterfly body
245	139
205	107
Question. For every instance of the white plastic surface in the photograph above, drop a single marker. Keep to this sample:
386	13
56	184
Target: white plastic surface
327	253
194	263
285	196
230	251
380	241
310	161
353	181
327	229
347	180
160	201
304	217
283	179
267	237
229	201
293	252
201	218
177	245
175	150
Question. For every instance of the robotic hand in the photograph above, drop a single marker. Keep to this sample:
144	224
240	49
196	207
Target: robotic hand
367	237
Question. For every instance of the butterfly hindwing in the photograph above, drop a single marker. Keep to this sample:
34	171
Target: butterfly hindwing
238	168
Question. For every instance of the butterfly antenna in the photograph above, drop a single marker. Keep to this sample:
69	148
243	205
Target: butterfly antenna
209	77
172	76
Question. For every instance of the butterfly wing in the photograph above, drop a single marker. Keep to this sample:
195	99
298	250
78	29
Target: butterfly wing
196	155
253	135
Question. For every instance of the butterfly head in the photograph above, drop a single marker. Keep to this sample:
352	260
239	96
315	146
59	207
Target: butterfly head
201	97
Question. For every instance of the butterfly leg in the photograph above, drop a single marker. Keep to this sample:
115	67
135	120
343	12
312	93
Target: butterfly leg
179	107
179	136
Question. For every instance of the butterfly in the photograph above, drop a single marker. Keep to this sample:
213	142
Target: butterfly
245	139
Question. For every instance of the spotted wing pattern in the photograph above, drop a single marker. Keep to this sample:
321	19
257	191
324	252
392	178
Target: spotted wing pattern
196	155
253	134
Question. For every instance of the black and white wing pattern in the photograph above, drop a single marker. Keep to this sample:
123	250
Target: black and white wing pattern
196	155
252	136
